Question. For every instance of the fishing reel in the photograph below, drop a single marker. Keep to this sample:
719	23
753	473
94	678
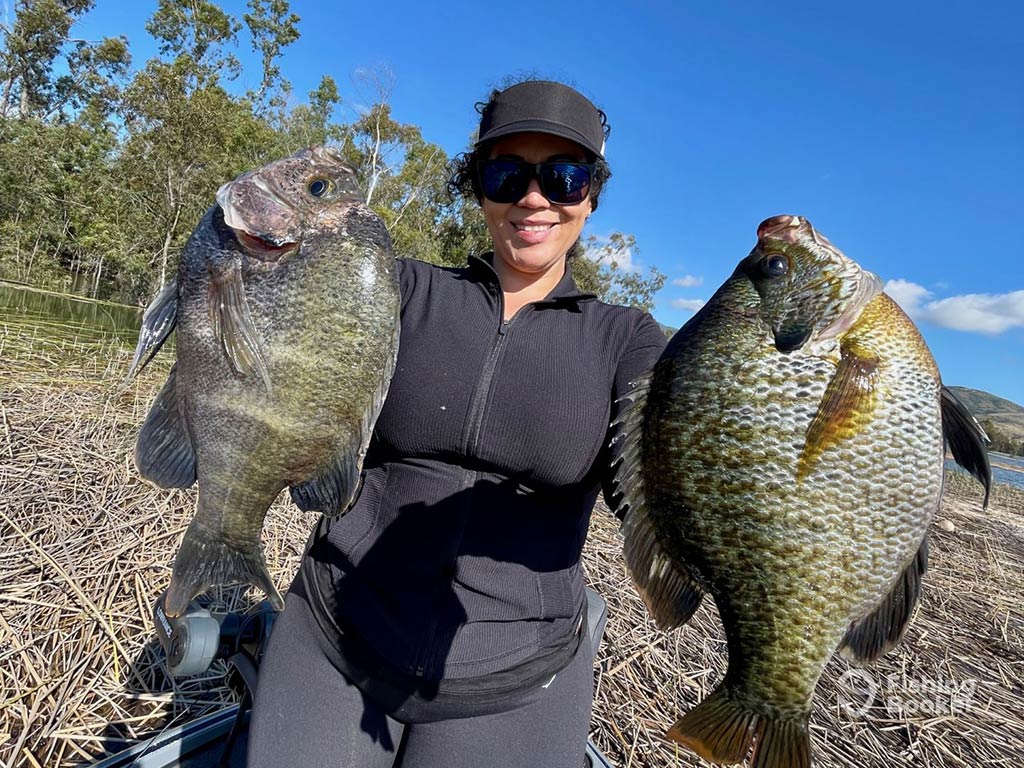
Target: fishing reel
197	638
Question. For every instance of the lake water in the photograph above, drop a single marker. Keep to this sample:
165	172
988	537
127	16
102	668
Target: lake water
59	317
1011	472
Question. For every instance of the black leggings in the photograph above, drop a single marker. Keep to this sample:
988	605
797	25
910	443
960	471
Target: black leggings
307	713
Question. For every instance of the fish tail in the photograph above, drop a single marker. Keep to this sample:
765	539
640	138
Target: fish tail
724	731
205	560
783	743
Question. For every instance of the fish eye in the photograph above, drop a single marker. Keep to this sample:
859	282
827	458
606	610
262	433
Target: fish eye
774	265
319	187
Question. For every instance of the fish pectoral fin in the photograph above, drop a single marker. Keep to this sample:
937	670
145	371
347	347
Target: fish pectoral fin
233	327
846	406
158	321
966	440
880	631
724	731
206	560
331	489
163	451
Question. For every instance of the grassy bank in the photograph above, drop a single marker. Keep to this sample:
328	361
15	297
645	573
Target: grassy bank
86	547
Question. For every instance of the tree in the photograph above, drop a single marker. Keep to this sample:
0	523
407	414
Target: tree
56	137
105	171
186	133
600	271
273	27
1000	440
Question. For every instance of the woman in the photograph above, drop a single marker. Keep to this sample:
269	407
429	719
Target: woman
439	621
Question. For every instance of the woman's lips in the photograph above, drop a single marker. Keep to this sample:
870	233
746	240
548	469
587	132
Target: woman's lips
533	233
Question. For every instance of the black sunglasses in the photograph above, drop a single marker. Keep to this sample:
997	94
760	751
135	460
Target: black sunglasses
561	182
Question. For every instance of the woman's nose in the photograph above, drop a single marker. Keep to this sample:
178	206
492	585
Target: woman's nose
533	197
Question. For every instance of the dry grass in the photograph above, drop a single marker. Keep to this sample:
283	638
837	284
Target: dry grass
85	547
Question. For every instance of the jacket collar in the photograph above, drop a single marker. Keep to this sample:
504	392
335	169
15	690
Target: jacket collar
564	293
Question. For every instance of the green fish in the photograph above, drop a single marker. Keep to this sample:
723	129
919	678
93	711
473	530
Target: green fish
785	456
286	305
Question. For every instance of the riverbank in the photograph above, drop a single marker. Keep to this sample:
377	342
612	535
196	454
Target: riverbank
86	547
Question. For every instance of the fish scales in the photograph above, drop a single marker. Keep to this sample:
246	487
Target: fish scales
785	457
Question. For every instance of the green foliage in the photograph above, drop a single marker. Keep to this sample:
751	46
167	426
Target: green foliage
600	271
1001	441
272	27
105	168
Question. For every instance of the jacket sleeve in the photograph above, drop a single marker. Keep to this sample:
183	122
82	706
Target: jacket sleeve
645	347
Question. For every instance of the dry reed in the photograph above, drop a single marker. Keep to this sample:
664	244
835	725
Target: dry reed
85	548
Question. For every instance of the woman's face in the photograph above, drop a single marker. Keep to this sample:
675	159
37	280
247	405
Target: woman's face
531	236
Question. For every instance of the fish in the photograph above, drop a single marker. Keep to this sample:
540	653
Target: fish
785	457
286	312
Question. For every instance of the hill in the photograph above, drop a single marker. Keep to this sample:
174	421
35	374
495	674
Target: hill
1006	415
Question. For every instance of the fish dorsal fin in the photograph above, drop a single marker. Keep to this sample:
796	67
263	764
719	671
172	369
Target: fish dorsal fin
966	440
163	452
671	594
233	326
880	631
158	321
332	489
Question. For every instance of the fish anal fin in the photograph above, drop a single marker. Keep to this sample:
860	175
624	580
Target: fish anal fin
966	440
233	326
724	731
845	408
205	560
331	489
881	630
163	451
158	321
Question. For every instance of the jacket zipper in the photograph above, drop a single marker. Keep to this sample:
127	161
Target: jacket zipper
470	442
477	408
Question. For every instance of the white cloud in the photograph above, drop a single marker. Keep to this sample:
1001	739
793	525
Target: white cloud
691	305
988	313
623	256
688	281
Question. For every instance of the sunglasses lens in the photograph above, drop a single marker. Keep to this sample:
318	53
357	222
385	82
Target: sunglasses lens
565	183
505	181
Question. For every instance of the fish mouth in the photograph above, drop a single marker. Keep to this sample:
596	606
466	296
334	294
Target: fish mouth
259	217
790	339
262	248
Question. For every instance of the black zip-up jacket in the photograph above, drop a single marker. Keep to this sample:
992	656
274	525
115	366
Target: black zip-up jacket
460	559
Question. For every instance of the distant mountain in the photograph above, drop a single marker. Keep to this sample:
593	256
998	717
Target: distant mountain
1004	414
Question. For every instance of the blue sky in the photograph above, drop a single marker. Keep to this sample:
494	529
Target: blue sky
897	128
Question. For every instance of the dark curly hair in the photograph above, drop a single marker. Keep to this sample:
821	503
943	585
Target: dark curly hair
464	175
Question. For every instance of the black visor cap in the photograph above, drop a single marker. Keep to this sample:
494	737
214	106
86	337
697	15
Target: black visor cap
544	107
